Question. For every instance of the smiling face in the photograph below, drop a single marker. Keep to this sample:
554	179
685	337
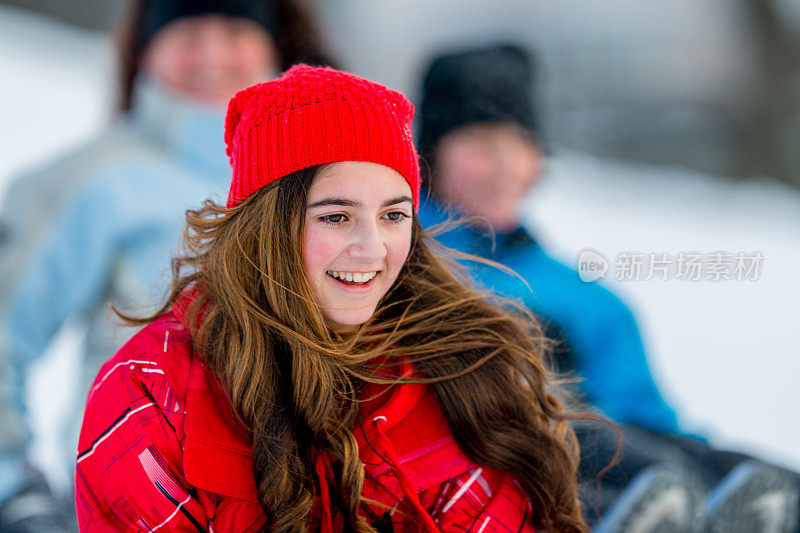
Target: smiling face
356	238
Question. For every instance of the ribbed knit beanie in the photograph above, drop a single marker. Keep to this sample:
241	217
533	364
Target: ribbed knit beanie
312	116
158	13
492	84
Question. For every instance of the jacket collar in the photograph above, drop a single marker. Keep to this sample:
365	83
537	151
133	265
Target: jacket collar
217	449
217	454
189	131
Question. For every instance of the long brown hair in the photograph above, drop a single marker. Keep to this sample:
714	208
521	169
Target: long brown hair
294	383
300	41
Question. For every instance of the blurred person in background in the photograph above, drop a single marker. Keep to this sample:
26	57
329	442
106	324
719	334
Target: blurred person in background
97	225
483	152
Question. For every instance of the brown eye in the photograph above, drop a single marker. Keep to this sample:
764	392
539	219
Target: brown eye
395	216
332	219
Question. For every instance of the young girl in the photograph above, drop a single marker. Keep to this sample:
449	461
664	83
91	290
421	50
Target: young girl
317	366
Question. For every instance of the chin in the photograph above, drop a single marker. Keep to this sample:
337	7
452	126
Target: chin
347	322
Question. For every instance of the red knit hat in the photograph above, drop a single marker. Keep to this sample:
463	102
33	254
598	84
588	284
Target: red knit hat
316	115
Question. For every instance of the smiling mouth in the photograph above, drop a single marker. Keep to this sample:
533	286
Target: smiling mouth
357	279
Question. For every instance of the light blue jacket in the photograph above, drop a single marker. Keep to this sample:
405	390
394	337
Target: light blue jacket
600	331
98	226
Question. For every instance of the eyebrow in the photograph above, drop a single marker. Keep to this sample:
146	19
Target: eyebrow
346	202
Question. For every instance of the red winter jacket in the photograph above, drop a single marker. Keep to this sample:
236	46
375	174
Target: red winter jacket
161	450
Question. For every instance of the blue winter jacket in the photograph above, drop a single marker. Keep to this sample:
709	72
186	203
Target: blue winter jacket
601	335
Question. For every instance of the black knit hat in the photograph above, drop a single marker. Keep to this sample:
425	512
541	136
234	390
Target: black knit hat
158	13
491	84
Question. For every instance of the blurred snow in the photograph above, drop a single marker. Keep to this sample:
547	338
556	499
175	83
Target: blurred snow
725	353
56	89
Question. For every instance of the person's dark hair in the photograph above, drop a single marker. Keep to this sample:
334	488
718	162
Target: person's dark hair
299	42
295	383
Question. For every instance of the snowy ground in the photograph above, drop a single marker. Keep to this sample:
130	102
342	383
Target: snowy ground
724	352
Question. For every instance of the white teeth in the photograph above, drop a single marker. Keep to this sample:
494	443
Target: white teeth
356	277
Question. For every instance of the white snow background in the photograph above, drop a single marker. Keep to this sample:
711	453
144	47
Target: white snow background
724	353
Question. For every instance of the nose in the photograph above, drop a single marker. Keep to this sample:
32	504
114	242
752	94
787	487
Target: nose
367	242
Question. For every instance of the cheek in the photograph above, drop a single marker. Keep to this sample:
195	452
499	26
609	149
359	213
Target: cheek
169	64
397	250
255	60
319	250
